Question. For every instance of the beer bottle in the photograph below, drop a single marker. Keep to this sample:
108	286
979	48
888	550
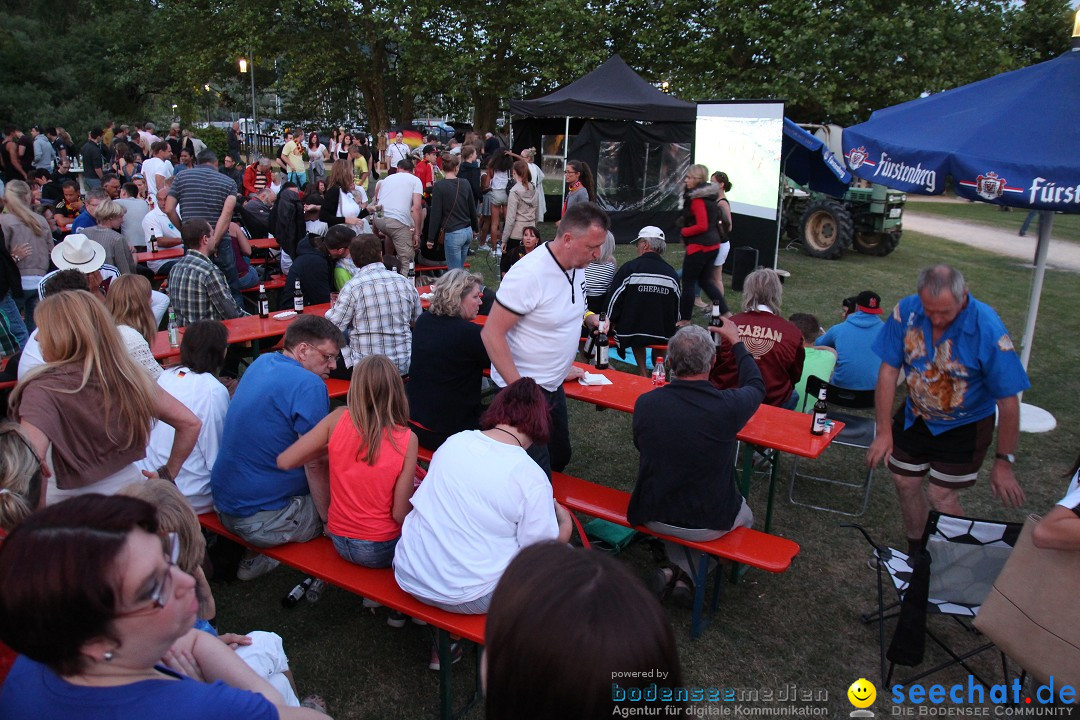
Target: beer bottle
153	243
412	272
716	321
298	299
264	302
817	426
602	343
174	330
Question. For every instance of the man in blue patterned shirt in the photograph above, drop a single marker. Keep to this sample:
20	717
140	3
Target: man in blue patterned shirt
960	366
197	286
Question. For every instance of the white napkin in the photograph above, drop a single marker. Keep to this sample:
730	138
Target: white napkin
593	379
427	296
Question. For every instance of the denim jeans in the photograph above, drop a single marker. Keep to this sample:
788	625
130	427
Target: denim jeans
15	322
300	178
27	303
368	553
457	247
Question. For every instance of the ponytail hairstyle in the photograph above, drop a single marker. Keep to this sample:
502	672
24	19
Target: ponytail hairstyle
20	477
585	175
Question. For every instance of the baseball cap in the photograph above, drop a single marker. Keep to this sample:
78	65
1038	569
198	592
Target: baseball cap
651	231
868	301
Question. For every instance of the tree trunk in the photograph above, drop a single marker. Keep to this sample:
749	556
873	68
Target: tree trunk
487	111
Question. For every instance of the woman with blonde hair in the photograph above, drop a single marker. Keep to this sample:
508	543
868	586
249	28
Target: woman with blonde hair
128	301
89	408
700	232
21	486
372	465
28	240
110	217
446	372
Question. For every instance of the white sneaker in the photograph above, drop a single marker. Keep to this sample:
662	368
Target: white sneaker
254	567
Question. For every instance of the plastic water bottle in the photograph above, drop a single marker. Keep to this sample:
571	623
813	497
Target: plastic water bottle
174	330
659	376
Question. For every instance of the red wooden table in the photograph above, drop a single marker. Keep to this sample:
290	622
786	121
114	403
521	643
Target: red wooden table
772	429
162	254
263	243
250	328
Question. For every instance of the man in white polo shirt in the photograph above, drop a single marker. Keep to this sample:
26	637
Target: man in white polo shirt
535	325
399	195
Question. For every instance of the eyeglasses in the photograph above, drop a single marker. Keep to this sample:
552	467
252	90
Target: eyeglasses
162	589
327	357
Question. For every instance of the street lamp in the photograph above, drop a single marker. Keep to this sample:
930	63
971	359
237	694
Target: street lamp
254	120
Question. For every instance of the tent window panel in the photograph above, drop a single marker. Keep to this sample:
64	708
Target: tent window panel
665	167
616	190
552	162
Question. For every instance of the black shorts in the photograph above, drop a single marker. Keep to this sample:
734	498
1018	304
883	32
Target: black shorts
952	458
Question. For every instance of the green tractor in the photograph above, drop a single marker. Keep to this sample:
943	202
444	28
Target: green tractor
868	216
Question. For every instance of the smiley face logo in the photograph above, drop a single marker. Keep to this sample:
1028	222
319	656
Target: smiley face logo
862	693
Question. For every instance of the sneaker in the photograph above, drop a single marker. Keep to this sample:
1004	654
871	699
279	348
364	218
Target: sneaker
456	653
254	567
315	591
483	248
397	619
314	702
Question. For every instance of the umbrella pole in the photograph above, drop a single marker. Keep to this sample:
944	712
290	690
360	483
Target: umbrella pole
565	151
1036	419
1046	222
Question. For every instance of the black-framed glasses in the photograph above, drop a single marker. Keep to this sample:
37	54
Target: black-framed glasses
162	589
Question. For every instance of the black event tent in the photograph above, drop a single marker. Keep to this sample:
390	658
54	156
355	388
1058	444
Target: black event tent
637	140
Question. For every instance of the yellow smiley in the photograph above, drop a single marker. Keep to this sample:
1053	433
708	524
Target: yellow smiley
862	693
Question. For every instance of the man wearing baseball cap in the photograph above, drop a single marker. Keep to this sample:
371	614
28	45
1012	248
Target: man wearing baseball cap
645	294
856	362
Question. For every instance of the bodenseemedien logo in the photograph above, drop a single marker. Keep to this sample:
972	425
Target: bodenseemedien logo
862	694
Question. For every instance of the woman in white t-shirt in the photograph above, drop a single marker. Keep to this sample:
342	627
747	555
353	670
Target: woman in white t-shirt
483	500
317	157
129	304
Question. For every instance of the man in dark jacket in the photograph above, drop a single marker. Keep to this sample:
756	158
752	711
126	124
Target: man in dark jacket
644	297
313	265
287	222
689	491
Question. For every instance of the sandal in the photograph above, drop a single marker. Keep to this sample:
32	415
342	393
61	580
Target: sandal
663	582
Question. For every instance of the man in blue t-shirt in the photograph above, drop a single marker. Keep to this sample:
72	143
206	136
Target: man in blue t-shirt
280	397
960	365
853	339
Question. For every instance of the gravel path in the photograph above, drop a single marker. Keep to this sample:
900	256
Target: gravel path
1062	255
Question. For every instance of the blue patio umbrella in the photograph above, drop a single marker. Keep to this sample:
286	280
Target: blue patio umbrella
1012	139
808	161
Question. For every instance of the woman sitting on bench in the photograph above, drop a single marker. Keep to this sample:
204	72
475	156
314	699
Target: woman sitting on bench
483	500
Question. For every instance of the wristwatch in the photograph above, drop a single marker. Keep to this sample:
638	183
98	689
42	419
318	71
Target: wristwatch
1007	457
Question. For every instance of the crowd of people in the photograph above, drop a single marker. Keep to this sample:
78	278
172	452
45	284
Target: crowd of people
109	457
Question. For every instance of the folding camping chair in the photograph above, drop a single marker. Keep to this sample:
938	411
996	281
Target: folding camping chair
859	432
951	577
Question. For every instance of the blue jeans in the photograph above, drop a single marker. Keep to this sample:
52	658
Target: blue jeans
457	247
14	318
368	553
300	178
27	303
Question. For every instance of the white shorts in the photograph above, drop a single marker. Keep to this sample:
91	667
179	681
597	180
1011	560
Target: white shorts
721	256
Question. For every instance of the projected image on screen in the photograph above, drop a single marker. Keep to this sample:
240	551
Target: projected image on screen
743	140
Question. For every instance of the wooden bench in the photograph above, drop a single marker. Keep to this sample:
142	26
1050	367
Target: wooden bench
276	282
745	546
336	387
318	558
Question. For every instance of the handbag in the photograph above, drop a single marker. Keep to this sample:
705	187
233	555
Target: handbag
1032	613
446	217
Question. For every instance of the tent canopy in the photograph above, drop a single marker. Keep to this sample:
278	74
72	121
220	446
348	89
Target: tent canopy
612	91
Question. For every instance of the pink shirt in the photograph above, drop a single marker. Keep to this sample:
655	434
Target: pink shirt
362	495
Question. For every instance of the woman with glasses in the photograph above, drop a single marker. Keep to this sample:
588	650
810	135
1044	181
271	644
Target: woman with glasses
89	408
118	637
579	184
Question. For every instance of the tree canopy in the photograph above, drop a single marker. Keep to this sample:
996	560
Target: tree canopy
362	63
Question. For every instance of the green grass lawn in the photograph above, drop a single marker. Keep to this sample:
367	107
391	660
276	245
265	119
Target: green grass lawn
1066	227
799	627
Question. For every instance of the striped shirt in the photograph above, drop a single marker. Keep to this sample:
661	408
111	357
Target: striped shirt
598	277
201	192
376	310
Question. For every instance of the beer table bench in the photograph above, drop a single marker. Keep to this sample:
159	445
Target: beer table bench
771	429
162	254
250	328
318	558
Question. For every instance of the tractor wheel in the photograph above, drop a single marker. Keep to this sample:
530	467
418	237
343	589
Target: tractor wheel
826	229
877	243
